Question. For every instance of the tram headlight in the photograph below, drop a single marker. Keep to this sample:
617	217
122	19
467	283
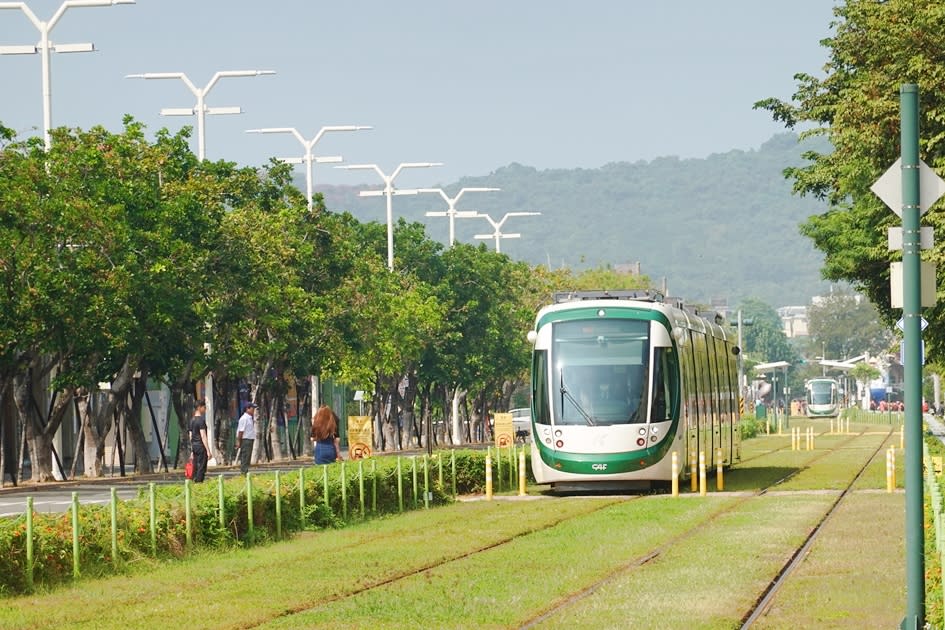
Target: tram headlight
641	441
642	430
559	443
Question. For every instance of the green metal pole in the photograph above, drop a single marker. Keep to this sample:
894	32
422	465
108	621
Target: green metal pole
187	518
344	493
361	487
250	531
29	543
911	317
152	516
114	522
75	535
302	495
400	487
221	505
278	507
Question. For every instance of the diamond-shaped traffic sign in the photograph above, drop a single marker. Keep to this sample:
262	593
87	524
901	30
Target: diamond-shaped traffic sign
889	187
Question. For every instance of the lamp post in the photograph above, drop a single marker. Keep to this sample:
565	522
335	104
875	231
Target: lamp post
45	46
200	109
389	191
497	234
453	213
308	159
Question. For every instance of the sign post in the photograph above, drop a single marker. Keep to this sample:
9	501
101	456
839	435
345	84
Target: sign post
911	205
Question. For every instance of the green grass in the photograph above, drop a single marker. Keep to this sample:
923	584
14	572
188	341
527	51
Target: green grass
507	562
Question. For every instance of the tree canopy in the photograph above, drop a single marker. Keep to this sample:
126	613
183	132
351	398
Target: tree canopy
876	47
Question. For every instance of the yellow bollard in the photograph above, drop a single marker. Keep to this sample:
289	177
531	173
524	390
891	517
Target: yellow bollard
488	477
889	472
892	457
702	488
810	438
675	474
779	425
831	426
719	481
693	473
521	473
902	437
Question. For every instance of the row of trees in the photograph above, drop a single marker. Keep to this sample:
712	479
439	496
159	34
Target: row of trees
124	259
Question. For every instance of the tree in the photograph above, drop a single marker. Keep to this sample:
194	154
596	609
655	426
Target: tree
843	325
877	47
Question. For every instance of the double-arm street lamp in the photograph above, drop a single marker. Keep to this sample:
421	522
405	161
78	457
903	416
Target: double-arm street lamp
45	46
308	159
200	109
497	234
389	191
453	213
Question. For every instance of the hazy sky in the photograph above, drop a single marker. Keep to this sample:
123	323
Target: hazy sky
475	85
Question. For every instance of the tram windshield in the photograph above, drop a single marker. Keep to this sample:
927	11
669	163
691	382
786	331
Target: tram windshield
821	392
600	371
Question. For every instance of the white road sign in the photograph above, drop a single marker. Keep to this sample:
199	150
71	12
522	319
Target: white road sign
889	187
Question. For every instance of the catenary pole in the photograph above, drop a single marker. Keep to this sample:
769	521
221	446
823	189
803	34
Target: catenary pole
911	315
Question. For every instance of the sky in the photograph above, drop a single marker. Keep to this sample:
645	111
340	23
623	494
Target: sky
473	85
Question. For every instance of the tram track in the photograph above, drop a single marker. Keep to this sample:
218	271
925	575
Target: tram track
767	596
769	592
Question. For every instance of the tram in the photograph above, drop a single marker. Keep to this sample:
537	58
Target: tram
620	381
823	397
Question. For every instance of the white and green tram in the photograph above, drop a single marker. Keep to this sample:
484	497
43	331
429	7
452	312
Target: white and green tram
620	381
823	397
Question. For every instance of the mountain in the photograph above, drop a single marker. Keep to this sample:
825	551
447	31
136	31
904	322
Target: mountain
722	227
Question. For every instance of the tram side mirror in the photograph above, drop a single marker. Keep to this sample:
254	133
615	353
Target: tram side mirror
532	336
736	350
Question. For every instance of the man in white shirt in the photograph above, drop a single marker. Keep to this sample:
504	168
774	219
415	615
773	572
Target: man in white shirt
246	436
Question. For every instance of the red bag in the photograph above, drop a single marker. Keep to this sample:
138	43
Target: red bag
189	468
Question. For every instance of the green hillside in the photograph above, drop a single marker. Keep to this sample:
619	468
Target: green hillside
721	227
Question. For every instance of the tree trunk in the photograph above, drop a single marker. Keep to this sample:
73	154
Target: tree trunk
133	423
100	417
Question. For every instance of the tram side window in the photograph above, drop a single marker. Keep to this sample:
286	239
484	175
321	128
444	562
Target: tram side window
663	384
540	387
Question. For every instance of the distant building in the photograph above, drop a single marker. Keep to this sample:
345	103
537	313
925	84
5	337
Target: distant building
794	321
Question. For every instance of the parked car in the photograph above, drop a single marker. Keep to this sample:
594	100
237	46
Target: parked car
522	424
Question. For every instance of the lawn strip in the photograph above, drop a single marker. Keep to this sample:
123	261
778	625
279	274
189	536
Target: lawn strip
853	576
708	580
246	587
508	585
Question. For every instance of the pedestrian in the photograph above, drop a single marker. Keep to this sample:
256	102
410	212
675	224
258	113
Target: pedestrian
246	436
325	436
199	444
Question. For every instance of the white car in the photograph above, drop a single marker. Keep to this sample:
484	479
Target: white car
522	423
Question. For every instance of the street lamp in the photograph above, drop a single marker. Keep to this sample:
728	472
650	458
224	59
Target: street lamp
497	225
45	46
200	109
307	159
389	191
452	213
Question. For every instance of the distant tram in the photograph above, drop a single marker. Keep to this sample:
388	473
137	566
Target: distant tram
621	380
823	397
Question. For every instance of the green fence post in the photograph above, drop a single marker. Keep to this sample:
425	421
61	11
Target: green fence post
400	487
498	459
278	507
453	470
361	486
250	527
413	469
75	535
29	543
187	520
439	467
302	496
152	514
374	485
426	483
114	519
344	493
325	483
221	504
